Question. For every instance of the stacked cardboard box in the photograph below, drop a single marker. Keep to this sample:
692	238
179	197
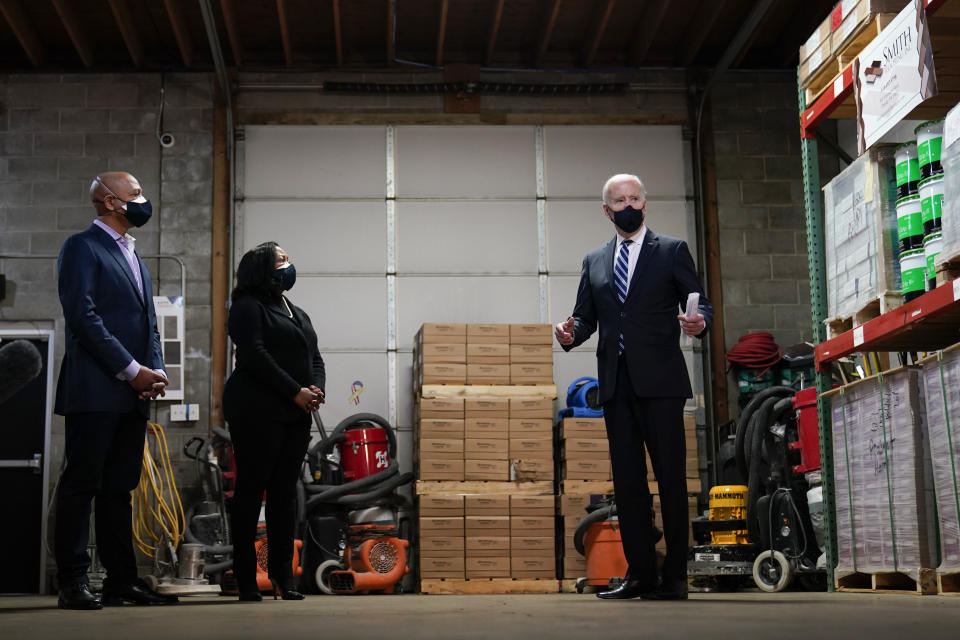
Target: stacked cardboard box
532	537
440	354
585	452
531	439
572	508
442	527
439	438
531	354
487	445
487	536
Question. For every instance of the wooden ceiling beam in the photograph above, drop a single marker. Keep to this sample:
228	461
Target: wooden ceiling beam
653	14
442	30
543	42
391	31
596	33
124	19
78	35
233	32
24	30
285	31
180	30
494	30
697	31
337	32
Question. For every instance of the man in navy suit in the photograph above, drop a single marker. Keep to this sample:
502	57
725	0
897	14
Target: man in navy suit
112	367
633	287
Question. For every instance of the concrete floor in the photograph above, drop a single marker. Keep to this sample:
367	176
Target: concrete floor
811	616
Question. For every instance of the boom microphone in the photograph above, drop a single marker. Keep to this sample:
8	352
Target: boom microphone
20	363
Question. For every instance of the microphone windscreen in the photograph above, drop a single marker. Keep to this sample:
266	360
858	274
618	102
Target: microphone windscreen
20	363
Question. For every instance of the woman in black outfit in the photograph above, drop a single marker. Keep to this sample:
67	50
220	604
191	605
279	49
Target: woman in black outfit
277	381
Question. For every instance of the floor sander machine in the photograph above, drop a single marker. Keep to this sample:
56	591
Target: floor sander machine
353	538
770	527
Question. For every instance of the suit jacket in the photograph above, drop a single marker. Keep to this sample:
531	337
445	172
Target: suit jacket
663	277
108	324
276	356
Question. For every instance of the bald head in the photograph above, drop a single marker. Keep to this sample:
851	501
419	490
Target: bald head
110	190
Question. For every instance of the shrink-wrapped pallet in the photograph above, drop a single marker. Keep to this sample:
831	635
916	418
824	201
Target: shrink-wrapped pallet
883	477
941	376
950	160
860	234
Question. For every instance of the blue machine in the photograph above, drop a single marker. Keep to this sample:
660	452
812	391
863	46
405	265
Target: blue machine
582	400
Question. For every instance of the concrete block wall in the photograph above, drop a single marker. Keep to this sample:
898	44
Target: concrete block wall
763	239
59	131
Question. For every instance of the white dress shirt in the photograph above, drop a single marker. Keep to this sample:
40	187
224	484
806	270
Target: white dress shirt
633	252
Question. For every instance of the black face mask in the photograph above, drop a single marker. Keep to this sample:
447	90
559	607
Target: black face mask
628	219
138	213
285	277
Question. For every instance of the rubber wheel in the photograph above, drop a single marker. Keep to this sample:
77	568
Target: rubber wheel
581	584
322	575
772	572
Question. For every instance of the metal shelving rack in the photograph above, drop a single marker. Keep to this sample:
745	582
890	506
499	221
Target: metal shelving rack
927	323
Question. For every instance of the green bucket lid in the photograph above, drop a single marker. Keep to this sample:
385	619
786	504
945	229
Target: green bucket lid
906	199
911	253
908	143
916	130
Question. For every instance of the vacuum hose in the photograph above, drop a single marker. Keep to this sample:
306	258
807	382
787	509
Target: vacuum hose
376	485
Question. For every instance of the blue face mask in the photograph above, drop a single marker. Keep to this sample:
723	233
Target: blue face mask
628	218
285	277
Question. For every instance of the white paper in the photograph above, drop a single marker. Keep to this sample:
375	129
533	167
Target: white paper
693	303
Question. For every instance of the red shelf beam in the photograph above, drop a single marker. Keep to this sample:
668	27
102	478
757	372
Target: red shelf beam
930	322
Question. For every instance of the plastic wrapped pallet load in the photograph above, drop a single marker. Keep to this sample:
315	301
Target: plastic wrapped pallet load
883	479
950	159
860	229
941	377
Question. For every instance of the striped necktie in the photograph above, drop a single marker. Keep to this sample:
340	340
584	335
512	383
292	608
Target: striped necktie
620	271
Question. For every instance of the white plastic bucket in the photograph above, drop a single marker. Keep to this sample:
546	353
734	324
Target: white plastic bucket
931	204
929	141
909	223
932	246
913	265
908	169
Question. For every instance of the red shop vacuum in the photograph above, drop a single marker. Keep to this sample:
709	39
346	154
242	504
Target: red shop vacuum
352	540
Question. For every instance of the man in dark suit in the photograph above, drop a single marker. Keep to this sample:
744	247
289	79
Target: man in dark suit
112	367
633	287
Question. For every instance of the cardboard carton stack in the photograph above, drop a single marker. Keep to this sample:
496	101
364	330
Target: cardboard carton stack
585	452
487	536
442	536
572	509
439	442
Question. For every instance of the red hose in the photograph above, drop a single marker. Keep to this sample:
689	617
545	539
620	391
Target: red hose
755	351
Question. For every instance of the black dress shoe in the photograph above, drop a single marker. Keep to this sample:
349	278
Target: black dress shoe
250	596
286	593
136	592
78	596
627	589
677	593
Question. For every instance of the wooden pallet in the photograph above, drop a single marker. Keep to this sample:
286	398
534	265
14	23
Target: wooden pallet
472	487
478	586
826	75
582	487
888	582
886	301
488	391
948	270
948	584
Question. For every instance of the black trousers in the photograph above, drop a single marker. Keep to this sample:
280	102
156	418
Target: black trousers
635	424
104	454
269	456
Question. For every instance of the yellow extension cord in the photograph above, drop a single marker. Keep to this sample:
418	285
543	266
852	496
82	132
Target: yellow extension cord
157	510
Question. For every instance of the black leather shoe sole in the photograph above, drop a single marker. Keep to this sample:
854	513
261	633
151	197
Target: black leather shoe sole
80	605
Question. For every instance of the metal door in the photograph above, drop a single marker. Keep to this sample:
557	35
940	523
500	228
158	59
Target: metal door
24	448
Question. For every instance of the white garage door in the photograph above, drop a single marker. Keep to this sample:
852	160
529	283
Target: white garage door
393	226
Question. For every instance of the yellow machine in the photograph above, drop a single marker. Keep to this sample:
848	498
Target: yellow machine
729	502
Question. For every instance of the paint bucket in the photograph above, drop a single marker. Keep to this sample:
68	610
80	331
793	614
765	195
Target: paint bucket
929	140
908	169
909	223
931	203
932	245
913	265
